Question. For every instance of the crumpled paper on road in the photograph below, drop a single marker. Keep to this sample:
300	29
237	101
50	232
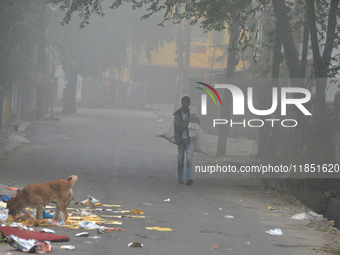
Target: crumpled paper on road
159	228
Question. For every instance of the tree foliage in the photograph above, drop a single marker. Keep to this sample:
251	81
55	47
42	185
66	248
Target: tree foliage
19	37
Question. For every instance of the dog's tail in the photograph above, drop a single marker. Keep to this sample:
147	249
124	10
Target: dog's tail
72	179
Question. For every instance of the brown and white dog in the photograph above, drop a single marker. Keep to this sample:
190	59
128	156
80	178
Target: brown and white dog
39	195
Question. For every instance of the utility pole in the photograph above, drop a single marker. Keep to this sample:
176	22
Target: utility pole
180	61
187	50
41	61
229	77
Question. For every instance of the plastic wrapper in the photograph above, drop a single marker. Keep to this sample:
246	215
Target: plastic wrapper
275	232
302	216
88	225
3	214
29	246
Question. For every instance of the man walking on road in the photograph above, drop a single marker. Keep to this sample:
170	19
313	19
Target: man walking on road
183	140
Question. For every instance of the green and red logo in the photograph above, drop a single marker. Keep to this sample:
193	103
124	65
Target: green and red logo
204	97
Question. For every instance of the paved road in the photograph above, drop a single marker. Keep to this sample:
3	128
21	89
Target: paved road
119	160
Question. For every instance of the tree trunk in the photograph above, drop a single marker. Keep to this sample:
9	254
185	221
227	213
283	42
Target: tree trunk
229	76
321	148
305	41
291	52
70	93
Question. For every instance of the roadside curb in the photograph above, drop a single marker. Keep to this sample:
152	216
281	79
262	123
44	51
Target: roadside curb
10	140
319	203
333	211
23	126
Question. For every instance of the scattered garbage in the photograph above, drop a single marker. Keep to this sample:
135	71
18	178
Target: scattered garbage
29	246
92	201
220	209
3	214
6	197
315	214
47	215
79	218
83	234
67	247
102	231
18	225
302	216
94	237
142	236
42	247
136	211
57	222
88	225
275	232
111	205
167	200
135	244
84	213
114	229
215	247
248	243
274	210
46	230
21	244
229	217
10	188
146	204
159	228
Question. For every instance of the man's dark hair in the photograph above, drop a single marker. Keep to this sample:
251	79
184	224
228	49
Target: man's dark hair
186	98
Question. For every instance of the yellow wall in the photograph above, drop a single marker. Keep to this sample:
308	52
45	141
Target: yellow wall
204	59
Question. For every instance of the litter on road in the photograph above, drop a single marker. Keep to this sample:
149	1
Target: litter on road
47	230
229	217
135	244
67	247
29	246
302	216
94	237
315	214
146	204
276	232
83	234
274	210
111	205
159	228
